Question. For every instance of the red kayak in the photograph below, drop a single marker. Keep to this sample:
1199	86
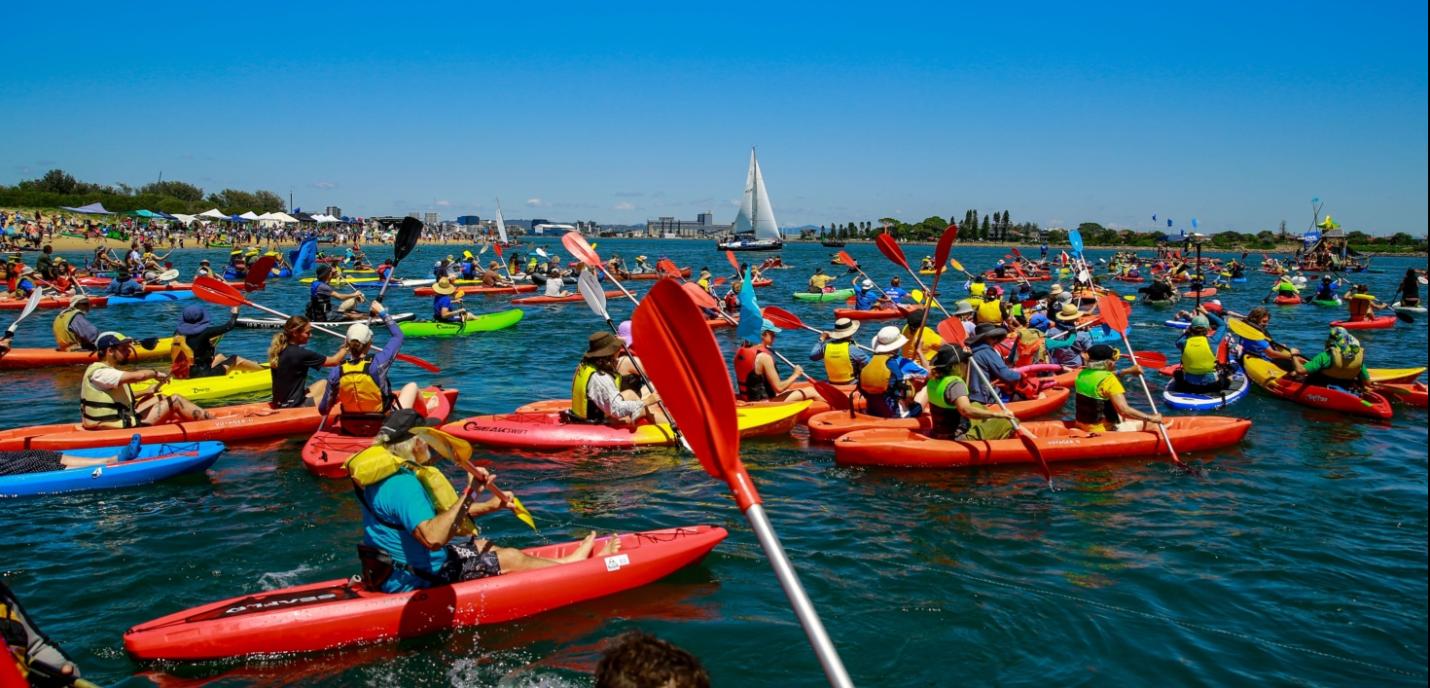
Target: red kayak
231	424
718	323
1039	277
1408	393
831	425
477	289
1383	322
762	282
570	298
1269	377
875	314
1134	279
327	450
337	613
1057	441
1205	293
18	359
1287	299
51	302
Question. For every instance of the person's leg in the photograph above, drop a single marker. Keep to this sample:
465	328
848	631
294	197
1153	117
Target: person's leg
513	560
241	363
407	396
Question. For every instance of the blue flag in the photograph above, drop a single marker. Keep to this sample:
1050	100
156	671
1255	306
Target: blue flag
1194	223
750	316
1169	222
1154	217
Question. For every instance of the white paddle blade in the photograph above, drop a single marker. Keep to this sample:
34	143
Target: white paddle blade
31	305
542	253
168	276
591	290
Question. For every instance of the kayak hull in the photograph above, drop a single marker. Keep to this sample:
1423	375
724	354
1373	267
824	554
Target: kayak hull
152	297
230	424
1057	441
475	289
876	314
327	450
548	430
155	462
1275	381
487	322
1384	322
332	614
200	389
831	425
1240	387
837	295
44	358
277	323
1286	300
50	302
1409	393
571	298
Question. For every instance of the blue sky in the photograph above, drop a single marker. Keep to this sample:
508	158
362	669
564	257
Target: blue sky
1237	114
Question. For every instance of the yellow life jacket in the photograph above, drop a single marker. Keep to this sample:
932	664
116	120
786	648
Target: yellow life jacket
989	312
358	391
928	343
874	379
581	406
64	339
376	464
105	409
1197	356
1342	369
977	288
838	365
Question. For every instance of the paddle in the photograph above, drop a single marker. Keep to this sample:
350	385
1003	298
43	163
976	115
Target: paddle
258	273
941	251
789	321
668	268
596	300
952	330
407	235
576	245
505	266
730	256
460	453
891	250
953	262
1150	359
1116	317
681	353
215	291
848	260
35	297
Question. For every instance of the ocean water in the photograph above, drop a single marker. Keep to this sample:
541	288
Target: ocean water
1297	557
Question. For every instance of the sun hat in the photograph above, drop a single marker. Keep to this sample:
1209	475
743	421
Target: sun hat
867	284
767	325
986	331
1068	313
947	355
844	328
194	320
624	332
444	287
964	308
1201	321
601	345
360	333
1057	289
1101	352
888	340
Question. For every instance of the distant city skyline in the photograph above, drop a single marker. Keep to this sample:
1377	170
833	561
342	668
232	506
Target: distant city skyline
1236	114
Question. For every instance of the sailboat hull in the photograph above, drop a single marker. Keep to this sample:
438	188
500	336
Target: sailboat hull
750	245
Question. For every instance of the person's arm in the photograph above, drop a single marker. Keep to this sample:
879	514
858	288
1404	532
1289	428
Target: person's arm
817	353
603	393
1119	402
329	391
111	378
995	363
968	410
382	360
435	532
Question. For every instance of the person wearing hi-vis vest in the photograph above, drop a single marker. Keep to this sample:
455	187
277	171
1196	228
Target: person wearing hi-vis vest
596	389
1199	373
106	401
954	416
1100	400
73	331
842	358
1342	363
359	384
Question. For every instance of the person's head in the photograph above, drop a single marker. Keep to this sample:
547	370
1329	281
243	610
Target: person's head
1056	291
1259	316
204	263
888	340
82	303
47	249
844	328
1068	315
1325	279
867	284
948	359
993	293
894	281
964	311
1103	356
359	339
324	272
638	660
397	436
296	330
820	271
444	287
989	334
113	348
193	320
602	349
914	318
1199	325
768	332
1361	289
1339	339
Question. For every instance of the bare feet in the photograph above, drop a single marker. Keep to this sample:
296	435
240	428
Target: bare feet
613	545
582	551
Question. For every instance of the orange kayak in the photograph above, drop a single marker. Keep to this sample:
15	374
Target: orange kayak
831	425
230	424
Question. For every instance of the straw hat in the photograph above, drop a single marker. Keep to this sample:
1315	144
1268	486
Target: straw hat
1068	313
889	340
844	328
444	287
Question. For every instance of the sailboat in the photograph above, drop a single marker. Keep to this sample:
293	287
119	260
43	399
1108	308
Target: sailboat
501	228
755	228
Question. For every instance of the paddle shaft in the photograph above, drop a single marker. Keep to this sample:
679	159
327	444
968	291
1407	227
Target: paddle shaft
645	380
1153	402
1017	427
932	297
322	329
808	618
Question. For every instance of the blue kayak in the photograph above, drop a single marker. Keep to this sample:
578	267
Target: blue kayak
153	297
1238	279
1186	401
1102	334
155	462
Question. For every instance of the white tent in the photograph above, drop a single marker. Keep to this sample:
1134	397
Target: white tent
215	214
186	219
281	216
250	215
265	216
325	218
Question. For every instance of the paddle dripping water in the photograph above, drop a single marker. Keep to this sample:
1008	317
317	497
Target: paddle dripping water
1297	556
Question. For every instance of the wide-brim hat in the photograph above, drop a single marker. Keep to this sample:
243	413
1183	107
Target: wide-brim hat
1068	313
1057	289
844	328
398	426
985	332
444	287
601	345
889	340
964	308
194	320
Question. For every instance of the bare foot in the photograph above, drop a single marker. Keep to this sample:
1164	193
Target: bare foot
613	545
582	551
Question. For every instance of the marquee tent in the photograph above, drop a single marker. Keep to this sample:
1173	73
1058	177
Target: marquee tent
91	209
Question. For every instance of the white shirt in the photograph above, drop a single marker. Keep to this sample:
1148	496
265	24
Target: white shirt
106	378
601	391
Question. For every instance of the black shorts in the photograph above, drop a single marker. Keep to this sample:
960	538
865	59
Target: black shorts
29	461
466	561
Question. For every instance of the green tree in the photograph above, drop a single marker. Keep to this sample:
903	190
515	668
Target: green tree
987	228
176	189
56	181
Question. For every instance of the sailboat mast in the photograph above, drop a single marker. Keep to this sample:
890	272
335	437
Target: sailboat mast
754	193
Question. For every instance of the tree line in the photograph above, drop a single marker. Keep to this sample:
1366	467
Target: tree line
59	188
991	227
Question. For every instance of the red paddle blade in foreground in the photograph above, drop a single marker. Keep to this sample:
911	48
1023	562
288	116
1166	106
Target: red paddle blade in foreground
497	248
782	318
576	245
698	295
1112	311
667	267
891	250
945	246
683	361
215	291
951	329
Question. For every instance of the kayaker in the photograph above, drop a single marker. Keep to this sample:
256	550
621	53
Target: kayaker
1029	344
819	282
1327	290
642	267
555	286
992	310
1408	293
72	328
37	659
926	265
1362	305
842	359
1260	319
107	402
756	375
977	287
45	262
887	380
291	361
639	659
596	395
984	342
204	269
383	269
124	285
895	293
1159	290
447	302
964	313
1285	288
928	342
1000	270
492	278
1341	364
23	461
954	416
1066	343
1057	296
1199	372
704	281
411	515
866	298
359	384
1101	400
193	354
321	295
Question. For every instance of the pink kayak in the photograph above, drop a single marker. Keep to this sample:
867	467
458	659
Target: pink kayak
327	450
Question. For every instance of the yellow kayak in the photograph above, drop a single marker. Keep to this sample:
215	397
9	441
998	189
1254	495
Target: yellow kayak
1394	374
340	280
234	384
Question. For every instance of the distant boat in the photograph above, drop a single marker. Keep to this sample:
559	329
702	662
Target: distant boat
832	243
755	228
501	228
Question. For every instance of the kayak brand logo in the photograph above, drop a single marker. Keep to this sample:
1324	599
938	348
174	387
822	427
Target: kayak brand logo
261	605
616	561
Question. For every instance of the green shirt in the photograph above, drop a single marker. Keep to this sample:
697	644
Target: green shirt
1323	360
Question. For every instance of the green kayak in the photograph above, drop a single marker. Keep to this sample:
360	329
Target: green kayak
483	323
838	295
1329	303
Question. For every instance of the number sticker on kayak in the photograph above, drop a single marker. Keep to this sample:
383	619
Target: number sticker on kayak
616	561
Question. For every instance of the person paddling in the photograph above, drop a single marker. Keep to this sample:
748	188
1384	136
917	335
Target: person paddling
984	345
359	384
866	298
596	395
321	295
819	282
1100	400
193	353
843	361
954	415
1260	319
106	401
928	342
123	285
1408	293
887	380
1327	290
1199	372
1340	364
1362	305
756	375
72	329
447	303
291	361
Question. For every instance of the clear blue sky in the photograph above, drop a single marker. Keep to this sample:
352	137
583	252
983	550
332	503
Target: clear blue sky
1237	114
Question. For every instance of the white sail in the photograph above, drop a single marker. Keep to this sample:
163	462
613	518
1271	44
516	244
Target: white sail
756	215
501	225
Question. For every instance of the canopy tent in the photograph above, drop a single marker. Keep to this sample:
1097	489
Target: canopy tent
250	215
236	218
186	219
304	217
152	215
325	218
215	214
91	209
281	216
265	216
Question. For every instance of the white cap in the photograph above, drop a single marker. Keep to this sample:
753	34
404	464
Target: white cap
867	284
360	333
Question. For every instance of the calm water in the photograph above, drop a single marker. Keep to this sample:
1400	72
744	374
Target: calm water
1298	557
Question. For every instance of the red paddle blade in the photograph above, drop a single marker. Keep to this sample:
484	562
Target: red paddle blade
258	273
1016	252
698	295
719	281
216	291
835	397
1150	359
945	246
891	250
497	248
847	259
667	267
1112	312
425	365
734	264
1222	350
576	245
782	318
951	329
680	356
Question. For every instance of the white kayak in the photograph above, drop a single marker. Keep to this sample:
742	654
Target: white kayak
1407	309
277	323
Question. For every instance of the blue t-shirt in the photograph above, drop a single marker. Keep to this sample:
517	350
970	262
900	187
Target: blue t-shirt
865	299
401	500
896	294
1252	347
444	301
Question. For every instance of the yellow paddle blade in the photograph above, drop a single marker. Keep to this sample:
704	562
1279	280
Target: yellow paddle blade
956	265
521	513
448	446
1245	331
917	296
467	254
1130	297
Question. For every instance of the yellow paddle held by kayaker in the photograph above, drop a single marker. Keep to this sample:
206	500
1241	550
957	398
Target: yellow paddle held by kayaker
460	452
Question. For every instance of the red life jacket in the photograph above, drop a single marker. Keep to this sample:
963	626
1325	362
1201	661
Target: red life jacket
753	385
